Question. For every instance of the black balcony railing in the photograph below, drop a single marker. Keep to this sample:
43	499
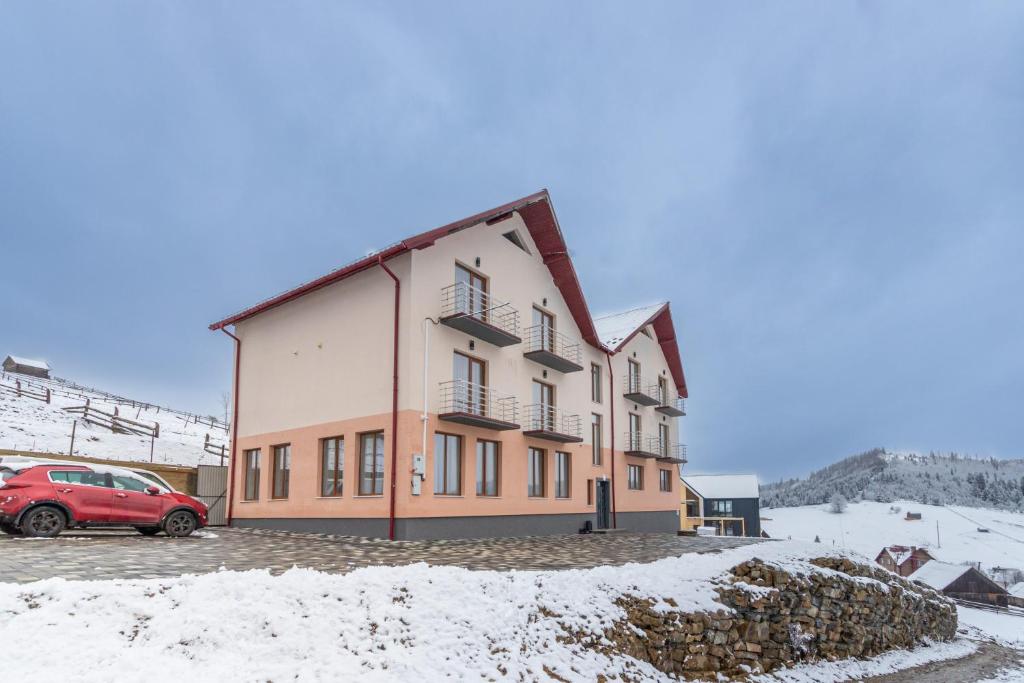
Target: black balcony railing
675	407
636	391
652	447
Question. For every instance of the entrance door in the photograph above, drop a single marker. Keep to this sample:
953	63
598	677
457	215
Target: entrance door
603	504
544	328
544	400
471	296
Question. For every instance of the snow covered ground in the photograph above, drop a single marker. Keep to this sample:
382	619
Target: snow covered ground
867	527
377	624
31	425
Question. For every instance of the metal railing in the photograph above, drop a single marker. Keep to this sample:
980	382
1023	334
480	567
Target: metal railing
541	417
652	445
462	299
633	384
543	337
679	403
470	398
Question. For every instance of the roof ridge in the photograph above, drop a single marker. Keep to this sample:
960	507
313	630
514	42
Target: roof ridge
630	310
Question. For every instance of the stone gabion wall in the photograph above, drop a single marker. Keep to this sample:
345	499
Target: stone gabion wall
776	618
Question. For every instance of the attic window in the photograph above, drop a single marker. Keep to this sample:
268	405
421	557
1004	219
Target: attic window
647	331
513	237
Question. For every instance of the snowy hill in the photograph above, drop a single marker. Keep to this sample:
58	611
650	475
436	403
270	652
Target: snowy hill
28	424
885	476
867	526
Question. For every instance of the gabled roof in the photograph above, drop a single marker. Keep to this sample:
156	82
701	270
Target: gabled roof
1017	590
940	575
615	330
539	217
723	485
30	363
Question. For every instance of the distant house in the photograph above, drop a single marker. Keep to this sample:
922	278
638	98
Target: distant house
729	502
903	560
913	517
963	582
27	366
1016	594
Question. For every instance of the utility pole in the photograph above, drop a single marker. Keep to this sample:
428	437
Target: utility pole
71	450
938	539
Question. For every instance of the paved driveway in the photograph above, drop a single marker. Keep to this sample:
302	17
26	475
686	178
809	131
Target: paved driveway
117	554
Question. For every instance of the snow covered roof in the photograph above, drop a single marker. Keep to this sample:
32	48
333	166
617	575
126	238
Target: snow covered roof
723	485
938	574
30	363
1016	590
615	328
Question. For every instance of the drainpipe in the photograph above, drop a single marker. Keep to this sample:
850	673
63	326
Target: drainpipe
394	403
611	413
424	417
234	426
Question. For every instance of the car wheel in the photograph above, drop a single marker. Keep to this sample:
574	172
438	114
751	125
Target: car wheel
10	529
180	523
148	530
43	522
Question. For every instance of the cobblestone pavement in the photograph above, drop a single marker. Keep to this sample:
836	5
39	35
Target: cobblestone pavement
125	554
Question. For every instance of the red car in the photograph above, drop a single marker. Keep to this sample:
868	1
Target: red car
43	499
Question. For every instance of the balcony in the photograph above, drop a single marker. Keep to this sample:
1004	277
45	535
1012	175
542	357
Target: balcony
553	349
475	405
473	311
673	407
548	422
636	392
652	447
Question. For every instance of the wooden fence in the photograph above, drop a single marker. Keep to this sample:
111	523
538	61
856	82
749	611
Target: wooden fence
42	394
114	422
218	449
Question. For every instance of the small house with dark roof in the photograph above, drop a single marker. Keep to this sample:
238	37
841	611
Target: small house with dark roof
961	582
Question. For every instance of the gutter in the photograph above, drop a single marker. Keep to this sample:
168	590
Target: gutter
394	402
234	425
611	413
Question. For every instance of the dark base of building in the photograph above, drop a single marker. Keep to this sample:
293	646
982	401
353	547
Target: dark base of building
497	526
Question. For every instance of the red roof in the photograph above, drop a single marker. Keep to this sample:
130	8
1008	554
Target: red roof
539	217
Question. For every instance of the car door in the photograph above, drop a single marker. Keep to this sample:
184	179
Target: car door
87	494
131	503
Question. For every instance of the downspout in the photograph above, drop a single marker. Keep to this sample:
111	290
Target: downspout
234	426
394	404
425	416
611	414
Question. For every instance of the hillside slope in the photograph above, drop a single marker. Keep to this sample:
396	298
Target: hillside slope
867	526
885	476
31	425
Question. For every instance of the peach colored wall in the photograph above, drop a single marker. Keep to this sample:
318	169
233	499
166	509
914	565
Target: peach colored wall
320	366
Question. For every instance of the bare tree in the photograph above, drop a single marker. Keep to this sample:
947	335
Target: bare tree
225	404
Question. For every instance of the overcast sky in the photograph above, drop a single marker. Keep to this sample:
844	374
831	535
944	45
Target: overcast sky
830	194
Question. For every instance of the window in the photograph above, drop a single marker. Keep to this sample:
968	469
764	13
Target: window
590	491
125	483
470	376
488	464
721	508
595	438
282	470
514	237
371	464
662	391
633	377
470	293
647	332
252	474
535	473
544	406
595	382
563	471
635	477
665	480
332	466
82	477
543	330
447	464
634	432
663	440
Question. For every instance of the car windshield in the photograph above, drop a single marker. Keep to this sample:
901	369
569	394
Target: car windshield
124	483
150	477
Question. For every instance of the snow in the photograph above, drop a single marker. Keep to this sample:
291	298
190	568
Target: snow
1017	590
723	485
376	624
30	425
30	363
1004	628
938	574
614	328
866	527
